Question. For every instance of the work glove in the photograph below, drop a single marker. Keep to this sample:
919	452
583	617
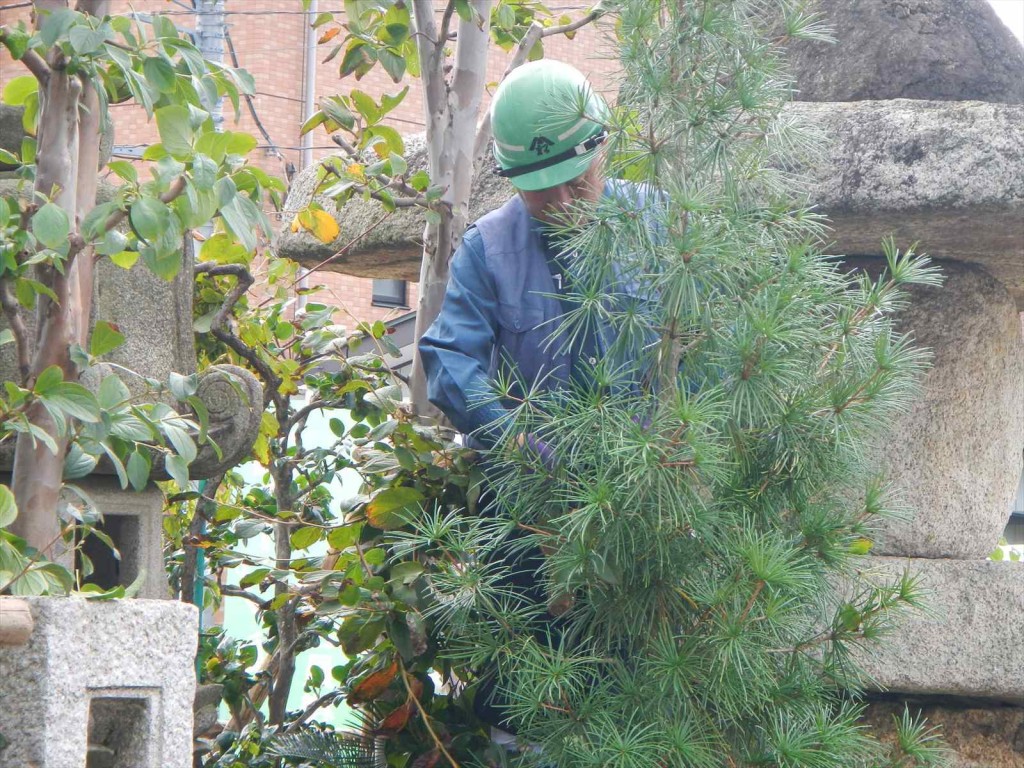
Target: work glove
532	446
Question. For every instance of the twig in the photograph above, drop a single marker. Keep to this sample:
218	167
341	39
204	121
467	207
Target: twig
313	707
35	63
217	326
33	560
338	254
446	22
752	600
16	322
230	591
424	715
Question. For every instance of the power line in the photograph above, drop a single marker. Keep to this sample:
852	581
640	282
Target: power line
339	11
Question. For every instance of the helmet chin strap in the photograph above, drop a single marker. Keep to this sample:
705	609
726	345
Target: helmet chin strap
580	149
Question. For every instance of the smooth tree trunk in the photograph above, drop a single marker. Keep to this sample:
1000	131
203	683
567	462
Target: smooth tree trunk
452	106
66	168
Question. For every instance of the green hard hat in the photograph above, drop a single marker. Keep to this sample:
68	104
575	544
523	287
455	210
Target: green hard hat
544	118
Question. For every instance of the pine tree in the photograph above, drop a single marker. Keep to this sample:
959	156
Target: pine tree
704	505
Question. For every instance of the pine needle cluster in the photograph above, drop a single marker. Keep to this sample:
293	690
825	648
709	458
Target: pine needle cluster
709	488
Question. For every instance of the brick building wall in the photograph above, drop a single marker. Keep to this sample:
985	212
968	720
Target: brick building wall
268	39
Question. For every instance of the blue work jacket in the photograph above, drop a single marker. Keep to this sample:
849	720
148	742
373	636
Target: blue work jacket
500	308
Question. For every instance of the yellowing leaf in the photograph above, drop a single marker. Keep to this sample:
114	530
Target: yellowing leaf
125	259
329	35
861	546
320	223
356	170
388	508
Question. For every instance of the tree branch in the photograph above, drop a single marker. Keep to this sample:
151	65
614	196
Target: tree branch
16	322
446	23
33	62
327	698
205	507
228	338
231	591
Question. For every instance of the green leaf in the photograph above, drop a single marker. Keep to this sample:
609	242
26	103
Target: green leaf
112	244
124	170
394	34
335	109
74	400
464	9
106	337
175	130
149	217
78	463
223	249
253	577
86	40
243	219
182	442
196	207
392	138
358	60
8	507
387	510
318	118
861	546
139	467
55	24
204	172
125	259
388	103
112	393
393	63
96	592
164	265
366	106
51	226
177	468
183	387
94	224
28	150
8	158
399	166
60	578
344	536
17	42
303	538
160	73
18	89
240	143
48	379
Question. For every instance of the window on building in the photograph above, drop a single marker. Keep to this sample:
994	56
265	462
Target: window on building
389	293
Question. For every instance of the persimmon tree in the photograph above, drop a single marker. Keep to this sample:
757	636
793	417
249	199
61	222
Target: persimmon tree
78	60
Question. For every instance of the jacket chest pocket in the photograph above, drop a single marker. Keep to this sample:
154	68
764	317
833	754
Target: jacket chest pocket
521	336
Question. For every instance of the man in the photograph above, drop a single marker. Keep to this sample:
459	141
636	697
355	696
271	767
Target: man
502	299
509	280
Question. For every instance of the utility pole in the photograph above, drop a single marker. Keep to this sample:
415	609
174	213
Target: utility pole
211	29
308	107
